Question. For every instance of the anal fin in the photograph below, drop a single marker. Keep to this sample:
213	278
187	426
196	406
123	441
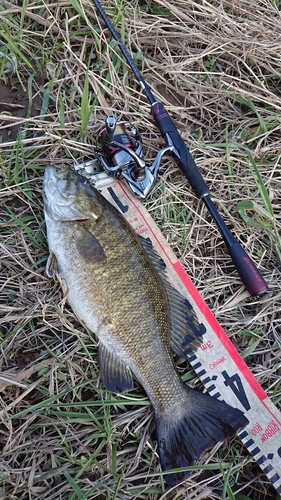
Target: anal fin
115	375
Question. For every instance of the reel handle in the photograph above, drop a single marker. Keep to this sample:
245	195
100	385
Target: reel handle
110	126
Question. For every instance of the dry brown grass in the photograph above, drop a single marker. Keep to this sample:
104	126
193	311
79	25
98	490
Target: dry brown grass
216	67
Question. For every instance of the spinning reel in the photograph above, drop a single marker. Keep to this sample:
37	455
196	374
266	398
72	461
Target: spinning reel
120	154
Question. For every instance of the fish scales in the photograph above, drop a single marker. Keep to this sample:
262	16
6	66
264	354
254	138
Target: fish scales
115	284
122	279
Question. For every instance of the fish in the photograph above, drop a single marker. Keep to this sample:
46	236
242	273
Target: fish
115	283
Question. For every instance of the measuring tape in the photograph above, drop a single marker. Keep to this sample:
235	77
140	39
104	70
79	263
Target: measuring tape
216	362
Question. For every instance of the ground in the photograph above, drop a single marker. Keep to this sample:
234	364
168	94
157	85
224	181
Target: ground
216	67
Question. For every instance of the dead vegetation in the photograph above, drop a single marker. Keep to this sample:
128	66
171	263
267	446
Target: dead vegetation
216	67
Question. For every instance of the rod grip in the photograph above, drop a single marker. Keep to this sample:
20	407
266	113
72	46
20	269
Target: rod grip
247	270
185	159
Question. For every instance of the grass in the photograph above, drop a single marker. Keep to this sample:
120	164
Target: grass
217	70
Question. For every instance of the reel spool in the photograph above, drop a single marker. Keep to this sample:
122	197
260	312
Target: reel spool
120	154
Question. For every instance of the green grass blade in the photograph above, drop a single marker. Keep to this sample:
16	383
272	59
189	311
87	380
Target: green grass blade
76	5
249	103
85	116
77	490
250	349
260	185
266	218
14	47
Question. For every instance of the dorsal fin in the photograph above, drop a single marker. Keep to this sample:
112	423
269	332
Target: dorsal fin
155	259
186	334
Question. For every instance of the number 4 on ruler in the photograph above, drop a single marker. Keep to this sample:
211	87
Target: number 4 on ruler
235	384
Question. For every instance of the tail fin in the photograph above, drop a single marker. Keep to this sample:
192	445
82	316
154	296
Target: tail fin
182	440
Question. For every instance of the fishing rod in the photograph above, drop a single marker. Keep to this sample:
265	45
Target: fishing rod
249	274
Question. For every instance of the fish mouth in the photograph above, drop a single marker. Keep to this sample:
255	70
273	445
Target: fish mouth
50	174
55	180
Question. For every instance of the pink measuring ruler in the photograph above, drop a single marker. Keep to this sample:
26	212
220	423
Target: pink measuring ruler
219	366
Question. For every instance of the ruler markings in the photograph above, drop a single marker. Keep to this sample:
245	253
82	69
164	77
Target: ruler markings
211	388
197	365
243	434
218	331
268	469
217	395
249	443
192	358
205	380
256	451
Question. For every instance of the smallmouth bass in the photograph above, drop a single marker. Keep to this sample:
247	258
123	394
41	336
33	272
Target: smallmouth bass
116	285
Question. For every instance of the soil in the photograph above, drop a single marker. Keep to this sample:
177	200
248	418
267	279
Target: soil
14	102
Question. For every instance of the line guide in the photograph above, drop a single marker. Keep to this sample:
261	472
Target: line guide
216	362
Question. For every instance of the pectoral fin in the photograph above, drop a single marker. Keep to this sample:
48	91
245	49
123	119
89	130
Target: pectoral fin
115	375
88	245
51	266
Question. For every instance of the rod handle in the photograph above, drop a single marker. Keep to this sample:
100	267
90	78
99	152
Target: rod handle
247	270
184	158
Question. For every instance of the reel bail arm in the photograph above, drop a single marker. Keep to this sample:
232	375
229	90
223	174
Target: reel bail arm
120	154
